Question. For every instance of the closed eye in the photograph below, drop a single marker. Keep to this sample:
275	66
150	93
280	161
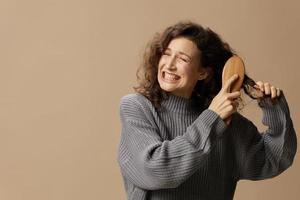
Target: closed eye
183	59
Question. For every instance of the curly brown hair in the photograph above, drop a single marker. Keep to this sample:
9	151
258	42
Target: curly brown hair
214	53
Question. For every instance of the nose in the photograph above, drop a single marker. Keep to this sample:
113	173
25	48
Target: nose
171	62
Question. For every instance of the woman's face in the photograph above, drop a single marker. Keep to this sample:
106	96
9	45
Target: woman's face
179	67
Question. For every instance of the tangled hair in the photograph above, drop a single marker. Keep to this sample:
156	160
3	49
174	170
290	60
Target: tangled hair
214	54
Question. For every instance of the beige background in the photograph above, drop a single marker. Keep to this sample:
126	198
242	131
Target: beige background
65	64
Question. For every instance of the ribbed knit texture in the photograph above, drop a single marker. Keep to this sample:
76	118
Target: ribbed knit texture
180	152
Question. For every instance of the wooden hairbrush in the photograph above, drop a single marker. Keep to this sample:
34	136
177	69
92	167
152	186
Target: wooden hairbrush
234	65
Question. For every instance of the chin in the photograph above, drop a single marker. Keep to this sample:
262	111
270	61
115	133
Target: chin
167	89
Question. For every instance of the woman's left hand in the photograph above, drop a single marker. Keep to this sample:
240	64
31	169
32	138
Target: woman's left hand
268	89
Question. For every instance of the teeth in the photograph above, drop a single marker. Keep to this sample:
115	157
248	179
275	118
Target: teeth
171	76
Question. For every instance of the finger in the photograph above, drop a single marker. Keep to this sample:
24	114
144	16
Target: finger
260	85
273	92
233	95
228	83
278	92
229	110
267	88
225	104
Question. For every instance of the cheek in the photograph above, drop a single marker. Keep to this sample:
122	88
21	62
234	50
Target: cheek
187	70
160	63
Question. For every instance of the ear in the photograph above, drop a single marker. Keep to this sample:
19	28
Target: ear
203	74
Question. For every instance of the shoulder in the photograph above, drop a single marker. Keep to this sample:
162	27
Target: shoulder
133	97
134	100
243	129
136	105
239	117
242	122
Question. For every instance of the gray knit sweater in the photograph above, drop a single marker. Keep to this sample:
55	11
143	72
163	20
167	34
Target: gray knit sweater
180	152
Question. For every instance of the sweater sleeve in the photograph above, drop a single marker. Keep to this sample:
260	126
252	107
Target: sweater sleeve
266	155
150	162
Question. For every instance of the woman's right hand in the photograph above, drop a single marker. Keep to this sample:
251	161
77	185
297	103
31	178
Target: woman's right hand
224	103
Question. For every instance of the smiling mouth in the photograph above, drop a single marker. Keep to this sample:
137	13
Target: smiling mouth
170	77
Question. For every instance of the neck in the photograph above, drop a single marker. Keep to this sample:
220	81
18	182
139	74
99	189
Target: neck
174	103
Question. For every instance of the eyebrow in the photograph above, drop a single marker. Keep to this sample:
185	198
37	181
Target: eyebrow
182	53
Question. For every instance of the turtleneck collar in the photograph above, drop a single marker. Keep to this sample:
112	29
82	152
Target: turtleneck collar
180	104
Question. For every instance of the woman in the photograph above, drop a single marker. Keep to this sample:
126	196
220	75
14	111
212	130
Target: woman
177	141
